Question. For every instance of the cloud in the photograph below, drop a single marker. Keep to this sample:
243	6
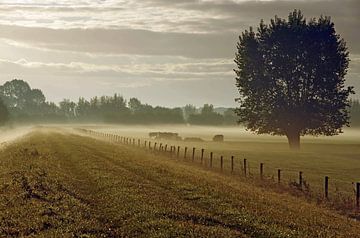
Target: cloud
160	72
124	41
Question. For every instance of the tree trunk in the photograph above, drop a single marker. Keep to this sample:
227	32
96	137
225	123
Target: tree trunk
294	140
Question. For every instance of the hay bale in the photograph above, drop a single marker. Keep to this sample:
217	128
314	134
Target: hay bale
164	136
218	138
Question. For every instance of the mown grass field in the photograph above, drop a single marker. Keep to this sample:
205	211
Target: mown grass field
337	157
58	184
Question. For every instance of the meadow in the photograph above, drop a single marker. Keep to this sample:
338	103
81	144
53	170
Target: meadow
337	157
55	182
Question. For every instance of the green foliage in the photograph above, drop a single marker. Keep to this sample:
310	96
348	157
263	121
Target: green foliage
4	113
189	110
20	98
25	104
291	78
206	117
230	117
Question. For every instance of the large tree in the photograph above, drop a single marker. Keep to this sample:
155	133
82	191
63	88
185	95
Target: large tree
291	78
20	98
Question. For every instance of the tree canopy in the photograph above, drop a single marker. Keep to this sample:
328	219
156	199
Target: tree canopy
291	78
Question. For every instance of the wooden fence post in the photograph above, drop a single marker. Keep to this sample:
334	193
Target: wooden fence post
245	167
358	195
165	148
178	152
149	145
261	170
221	162
185	151
202	155
300	179
232	164
279	176
211	159
193	154
326	187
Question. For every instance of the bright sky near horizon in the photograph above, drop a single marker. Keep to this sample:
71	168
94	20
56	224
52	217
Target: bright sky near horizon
164	52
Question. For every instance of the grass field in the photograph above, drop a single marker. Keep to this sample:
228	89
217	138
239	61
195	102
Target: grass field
58	184
337	157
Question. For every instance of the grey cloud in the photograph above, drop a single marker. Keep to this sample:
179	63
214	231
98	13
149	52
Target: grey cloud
239	15
125	41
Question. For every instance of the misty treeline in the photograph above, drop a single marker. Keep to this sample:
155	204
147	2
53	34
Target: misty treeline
21	103
355	113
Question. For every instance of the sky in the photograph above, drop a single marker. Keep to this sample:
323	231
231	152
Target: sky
164	52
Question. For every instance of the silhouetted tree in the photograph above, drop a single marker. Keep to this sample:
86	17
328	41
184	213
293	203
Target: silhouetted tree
230	117
22	101
290	77
67	108
135	105
188	110
207	116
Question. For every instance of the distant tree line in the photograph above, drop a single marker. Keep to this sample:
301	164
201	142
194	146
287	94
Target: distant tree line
21	103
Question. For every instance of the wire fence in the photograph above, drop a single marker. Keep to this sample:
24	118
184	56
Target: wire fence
325	187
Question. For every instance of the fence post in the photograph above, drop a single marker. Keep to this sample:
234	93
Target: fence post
149	145
245	167
232	164
211	159
165	148
178	152
261	170
279	176
326	187
193	154
358	195
185	151
221	162
138	142
202	155
155	146
300	179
